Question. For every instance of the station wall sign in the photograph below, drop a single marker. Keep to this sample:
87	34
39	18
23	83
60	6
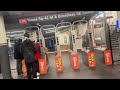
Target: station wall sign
58	16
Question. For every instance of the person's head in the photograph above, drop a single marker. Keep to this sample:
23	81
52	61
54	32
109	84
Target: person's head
19	40
26	35
32	39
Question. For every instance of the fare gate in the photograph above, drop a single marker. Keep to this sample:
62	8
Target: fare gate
78	29
63	37
48	45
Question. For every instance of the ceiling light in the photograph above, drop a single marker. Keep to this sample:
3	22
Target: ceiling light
49	29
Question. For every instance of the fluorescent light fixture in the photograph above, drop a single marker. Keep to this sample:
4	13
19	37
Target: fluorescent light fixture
14	35
7	32
17	31
64	26
101	15
97	15
48	32
100	12
91	20
49	29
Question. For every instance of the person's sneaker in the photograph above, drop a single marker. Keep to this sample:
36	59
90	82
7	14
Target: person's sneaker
38	77
38	74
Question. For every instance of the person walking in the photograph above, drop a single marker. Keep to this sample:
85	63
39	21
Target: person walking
29	50
18	56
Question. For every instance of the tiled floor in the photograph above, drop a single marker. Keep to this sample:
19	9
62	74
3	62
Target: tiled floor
100	72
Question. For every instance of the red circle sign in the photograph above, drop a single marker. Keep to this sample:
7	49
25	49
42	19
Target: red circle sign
23	21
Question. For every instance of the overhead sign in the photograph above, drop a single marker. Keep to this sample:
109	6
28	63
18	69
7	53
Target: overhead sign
58	16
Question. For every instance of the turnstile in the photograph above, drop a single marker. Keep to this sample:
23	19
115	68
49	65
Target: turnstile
64	46
48	44
102	38
47	38
78	29
88	55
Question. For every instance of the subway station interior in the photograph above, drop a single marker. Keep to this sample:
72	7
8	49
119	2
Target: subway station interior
73	44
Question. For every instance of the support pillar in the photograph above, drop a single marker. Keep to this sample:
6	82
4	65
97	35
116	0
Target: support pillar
4	57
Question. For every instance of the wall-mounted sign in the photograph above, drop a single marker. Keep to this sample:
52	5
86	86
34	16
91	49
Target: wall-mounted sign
57	16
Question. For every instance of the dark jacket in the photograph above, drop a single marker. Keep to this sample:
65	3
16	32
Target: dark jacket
29	50
17	51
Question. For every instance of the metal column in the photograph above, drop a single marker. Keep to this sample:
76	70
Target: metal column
4	57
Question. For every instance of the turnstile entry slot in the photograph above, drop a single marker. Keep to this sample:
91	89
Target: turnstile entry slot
79	28
73	38
41	42
64	36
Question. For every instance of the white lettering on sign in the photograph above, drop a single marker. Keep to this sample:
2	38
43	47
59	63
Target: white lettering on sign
55	16
42	64
74	59
78	13
51	17
63	15
107	57
66	15
32	19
